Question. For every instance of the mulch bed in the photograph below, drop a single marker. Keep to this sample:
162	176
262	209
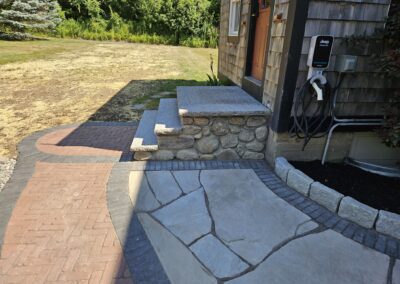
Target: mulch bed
377	191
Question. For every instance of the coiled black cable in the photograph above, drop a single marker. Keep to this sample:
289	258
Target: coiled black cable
308	124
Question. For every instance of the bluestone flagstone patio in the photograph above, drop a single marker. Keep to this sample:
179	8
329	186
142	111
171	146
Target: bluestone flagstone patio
234	229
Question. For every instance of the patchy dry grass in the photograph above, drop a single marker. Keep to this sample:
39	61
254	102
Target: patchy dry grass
48	83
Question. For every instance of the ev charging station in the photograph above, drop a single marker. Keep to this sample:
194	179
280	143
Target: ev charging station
318	60
310	121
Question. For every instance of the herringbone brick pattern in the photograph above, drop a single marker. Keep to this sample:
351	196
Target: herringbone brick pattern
60	230
87	141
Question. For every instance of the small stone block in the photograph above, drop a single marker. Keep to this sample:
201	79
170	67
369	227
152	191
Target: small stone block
282	168
325	196
388	223
299	181
357	212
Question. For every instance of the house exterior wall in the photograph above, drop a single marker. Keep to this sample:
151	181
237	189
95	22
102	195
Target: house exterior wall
275	50
362	93
232	51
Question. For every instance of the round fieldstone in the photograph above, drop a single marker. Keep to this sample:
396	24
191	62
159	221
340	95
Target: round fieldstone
163	155
237	121
241	149
176	142
253	155
226	154
235	129
202	121
187	154
261	133
246	135
255	146
220	127
207	157
191	129
142	156
198	135
229	141
207	145
254	121
206	130
187	120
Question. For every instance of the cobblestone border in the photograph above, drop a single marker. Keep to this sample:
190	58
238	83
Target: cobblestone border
317	210
139	254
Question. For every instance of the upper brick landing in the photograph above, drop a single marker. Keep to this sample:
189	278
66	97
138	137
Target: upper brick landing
217	101
222	123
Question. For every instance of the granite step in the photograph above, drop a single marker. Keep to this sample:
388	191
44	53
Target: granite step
145	139
168	121
218	102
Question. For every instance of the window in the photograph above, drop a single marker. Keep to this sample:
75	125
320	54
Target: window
234	18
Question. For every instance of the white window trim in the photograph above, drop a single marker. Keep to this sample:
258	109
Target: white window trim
232	18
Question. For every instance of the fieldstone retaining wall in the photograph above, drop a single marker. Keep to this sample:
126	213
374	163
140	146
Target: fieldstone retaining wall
209	138
345	206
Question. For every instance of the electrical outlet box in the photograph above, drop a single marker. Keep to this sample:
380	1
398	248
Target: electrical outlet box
346	63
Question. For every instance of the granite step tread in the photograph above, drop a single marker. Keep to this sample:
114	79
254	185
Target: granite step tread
145	138
168	121
218	101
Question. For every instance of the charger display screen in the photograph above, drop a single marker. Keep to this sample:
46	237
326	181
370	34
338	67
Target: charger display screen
322	51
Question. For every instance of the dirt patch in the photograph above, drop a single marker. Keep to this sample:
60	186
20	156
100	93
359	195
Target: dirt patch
374	190
88	81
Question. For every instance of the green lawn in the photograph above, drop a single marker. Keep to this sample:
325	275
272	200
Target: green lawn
58	81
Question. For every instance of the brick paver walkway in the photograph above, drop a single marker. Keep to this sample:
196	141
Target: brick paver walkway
60	230
87	141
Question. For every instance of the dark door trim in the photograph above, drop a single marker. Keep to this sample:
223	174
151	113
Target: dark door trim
251	85
295	27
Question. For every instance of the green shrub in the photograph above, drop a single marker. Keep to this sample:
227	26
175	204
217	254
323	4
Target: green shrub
118	30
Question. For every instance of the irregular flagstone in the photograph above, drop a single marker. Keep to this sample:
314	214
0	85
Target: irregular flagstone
141	196
306	227
248	217
163	185
188	180
221	261
327	258
187	218
179	263
396	273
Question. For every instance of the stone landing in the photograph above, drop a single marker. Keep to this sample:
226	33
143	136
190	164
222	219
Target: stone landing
204	123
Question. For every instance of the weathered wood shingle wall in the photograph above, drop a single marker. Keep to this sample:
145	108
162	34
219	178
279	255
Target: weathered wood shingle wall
277	39
232	53
362	93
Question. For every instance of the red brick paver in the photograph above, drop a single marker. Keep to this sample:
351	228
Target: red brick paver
60	230
87	141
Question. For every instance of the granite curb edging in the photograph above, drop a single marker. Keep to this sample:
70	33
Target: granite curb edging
382	221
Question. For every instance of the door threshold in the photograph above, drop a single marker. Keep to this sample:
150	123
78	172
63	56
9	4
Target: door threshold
253	80
253	86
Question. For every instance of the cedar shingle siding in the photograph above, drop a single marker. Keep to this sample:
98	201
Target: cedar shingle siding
362	93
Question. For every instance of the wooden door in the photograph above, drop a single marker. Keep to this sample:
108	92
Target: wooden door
260	39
